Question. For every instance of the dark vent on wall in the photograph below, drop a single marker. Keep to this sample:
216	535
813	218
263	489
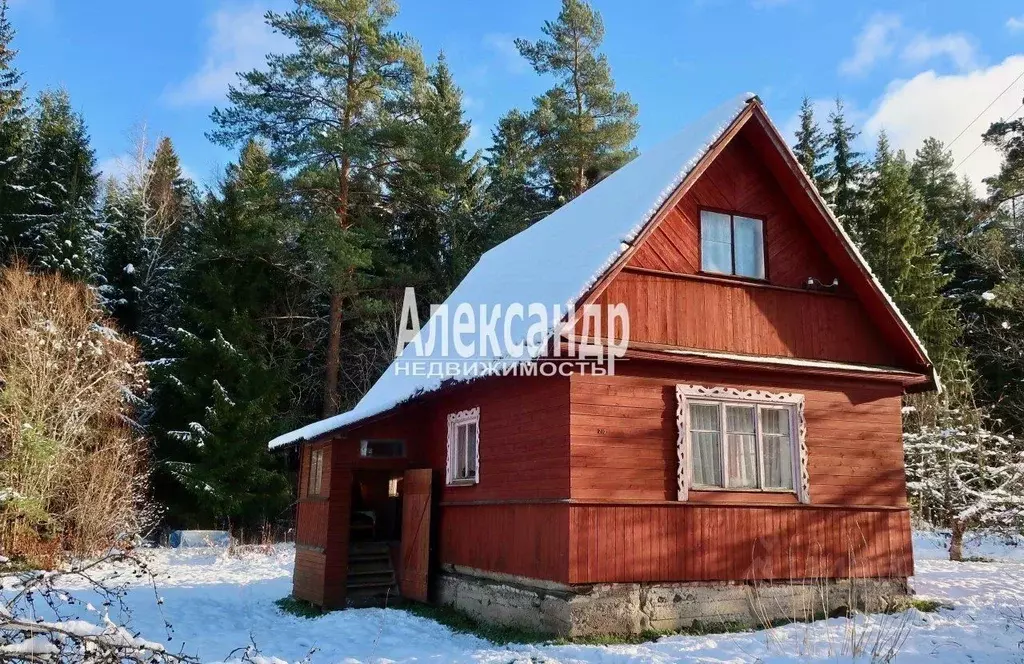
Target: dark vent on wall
379	449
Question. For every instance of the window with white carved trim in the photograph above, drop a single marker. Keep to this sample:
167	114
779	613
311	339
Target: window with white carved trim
464	447
740	441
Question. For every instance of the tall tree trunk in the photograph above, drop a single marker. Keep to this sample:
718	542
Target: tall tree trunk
333	364
580	185
332	402
956	542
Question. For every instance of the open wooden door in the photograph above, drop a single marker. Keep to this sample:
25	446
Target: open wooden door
416	534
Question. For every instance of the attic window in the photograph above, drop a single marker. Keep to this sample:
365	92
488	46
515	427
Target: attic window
731	244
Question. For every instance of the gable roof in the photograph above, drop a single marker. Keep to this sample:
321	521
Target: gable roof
562	258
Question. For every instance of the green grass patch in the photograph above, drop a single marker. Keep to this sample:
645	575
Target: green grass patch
923	605
299	607
698	628
18	565
461	623
926	605
978	559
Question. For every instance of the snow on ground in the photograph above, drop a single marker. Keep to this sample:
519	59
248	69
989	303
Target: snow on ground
217	603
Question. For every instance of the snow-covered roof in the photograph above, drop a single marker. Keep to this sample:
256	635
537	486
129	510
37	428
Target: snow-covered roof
557	260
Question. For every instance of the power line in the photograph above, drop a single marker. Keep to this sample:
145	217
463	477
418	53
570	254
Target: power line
971	154
985	110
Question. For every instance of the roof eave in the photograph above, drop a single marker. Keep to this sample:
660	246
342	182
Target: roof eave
909	381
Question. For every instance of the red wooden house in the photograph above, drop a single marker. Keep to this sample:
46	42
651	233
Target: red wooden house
748	444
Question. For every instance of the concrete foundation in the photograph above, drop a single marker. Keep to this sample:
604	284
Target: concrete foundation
632	608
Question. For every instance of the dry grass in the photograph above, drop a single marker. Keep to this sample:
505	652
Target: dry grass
875	620
72	468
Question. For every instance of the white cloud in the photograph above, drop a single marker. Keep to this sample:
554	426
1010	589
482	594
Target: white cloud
1015	23
873	44
880	37
956	47
504	46
936	105
239	40
117	167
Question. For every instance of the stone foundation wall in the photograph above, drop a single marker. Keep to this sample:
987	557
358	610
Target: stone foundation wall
630	608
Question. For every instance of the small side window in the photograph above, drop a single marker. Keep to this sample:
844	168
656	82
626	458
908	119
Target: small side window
464	447
316	473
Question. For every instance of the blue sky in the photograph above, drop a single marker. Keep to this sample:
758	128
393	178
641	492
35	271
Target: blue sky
915	68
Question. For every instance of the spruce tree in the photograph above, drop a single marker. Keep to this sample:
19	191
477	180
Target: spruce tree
167	190
59	227
13	139
334	110
942	193
122	256
901	247
226	390
438	194
847	171
515	188
950	211
143	249
811	149
586	128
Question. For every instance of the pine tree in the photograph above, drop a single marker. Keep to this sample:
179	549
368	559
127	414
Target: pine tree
515	189
847	171
1007	186
335	109
811	149
59	225
901	247
585	127
227	389
988	281
13	138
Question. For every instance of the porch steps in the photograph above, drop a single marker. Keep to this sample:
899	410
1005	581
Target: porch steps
371	577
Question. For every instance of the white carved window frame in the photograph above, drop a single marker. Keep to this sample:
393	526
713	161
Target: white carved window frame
686	393
455	420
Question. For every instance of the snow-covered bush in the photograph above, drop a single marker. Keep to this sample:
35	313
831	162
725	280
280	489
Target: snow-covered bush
961	475
41	622
72	467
